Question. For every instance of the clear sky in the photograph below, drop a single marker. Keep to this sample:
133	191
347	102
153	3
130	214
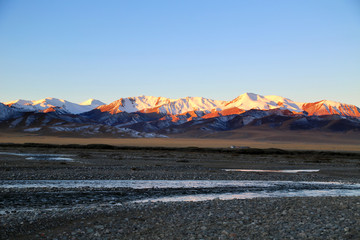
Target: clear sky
305	50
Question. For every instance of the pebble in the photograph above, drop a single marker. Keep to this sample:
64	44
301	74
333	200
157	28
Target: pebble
259	218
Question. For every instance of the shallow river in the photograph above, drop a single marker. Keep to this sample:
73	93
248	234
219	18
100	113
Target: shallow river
187	190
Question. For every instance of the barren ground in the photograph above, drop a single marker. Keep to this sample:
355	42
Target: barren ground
81	215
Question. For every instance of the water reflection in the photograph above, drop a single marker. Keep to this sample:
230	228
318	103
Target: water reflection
274	171
187	184
39	156
178	190
250	195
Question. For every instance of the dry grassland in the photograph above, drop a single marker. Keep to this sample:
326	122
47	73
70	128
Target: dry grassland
292	141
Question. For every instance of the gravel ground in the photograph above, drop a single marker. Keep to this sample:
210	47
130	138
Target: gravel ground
177	164
260	218
266	218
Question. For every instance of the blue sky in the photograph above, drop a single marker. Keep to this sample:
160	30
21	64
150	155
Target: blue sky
304	50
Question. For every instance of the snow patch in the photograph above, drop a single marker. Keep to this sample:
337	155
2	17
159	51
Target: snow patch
35	129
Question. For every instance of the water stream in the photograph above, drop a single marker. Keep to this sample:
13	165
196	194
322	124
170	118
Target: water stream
184	190
40	156
274	171
161	184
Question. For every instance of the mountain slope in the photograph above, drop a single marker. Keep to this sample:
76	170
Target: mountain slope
162	105
92	103
326	107
190	104
134	104
249	101
6	112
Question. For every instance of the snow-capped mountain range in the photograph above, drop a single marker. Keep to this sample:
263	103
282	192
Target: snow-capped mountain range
149	104
160	115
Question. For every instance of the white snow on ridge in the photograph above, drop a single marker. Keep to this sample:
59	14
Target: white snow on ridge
285	103
95	129
35	129
188	104
143	102
246	101
21	105
249	101
135	104
163	105
326	107
93	103
44	104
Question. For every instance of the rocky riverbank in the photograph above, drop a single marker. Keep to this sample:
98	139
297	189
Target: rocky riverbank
69	214
266	218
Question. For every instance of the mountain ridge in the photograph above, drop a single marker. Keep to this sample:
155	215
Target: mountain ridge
163	105
244	102
149	116
53	104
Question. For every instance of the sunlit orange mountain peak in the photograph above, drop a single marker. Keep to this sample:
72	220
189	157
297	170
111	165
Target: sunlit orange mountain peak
134	104
326	107
212	108
209	108
151	116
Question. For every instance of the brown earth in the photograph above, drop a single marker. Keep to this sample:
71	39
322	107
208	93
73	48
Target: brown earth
256	138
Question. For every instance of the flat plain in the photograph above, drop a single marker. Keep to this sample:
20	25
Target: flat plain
256	138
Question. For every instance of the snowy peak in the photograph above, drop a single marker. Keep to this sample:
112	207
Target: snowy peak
93	103
18	102
53	104
326	107
6	112
49	105
49	102
250	101
189	104
134	104
21	105
162	105
285	103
